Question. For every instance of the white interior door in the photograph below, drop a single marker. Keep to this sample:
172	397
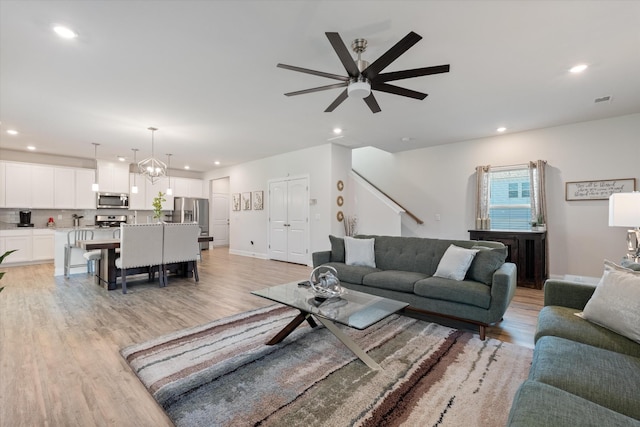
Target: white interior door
278	220
220	219
298	213
288	220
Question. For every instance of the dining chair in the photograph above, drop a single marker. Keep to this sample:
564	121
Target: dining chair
140	251
181	246
72	237
95	255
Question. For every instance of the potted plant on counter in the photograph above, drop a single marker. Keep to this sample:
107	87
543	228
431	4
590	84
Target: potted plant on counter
157	205
4	255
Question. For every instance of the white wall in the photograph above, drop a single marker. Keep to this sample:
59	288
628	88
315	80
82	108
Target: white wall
441	180
322	164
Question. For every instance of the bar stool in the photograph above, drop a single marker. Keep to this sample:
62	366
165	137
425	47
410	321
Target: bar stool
72	237
94	256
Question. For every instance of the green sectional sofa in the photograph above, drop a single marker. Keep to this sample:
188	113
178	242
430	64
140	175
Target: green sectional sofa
582	374
404	271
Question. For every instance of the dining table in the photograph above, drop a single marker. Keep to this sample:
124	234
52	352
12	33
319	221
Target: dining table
106	271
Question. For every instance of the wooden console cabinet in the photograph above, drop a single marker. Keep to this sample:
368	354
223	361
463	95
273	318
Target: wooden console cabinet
527	250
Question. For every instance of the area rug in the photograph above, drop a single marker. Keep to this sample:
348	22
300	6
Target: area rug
223	374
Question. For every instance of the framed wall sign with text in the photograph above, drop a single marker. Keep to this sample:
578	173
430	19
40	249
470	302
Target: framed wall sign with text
599	189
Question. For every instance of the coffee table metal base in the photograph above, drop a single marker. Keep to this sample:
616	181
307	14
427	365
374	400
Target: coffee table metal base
345	339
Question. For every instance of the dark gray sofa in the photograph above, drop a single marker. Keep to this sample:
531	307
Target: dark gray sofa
404	272
582	374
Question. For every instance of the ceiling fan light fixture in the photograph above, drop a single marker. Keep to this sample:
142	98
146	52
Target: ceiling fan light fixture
359	90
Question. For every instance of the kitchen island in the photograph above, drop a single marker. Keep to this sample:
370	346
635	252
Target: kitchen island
60	240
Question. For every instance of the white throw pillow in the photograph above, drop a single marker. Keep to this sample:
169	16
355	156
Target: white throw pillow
359	252
455	262
615	304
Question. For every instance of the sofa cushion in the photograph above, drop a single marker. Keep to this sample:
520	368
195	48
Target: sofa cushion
455	262
485	263
351	273
604	377
359	252
465	291
337	249
562	322
615	304
395	280
541	405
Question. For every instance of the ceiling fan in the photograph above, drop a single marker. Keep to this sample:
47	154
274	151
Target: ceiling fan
364	77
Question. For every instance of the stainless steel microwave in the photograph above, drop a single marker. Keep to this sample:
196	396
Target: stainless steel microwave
112	201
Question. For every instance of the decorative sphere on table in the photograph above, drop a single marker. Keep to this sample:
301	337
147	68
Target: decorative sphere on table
324	282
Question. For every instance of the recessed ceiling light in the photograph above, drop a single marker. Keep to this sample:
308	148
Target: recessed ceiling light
122	159
406	139
12	132
501	129
337	131
578	68
217	163
187	167
64	32
31	147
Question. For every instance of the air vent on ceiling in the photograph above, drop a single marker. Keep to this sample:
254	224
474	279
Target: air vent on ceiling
602	99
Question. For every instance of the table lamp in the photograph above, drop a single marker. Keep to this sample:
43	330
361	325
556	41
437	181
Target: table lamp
624	211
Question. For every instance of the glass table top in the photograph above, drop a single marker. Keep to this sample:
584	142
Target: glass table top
355	309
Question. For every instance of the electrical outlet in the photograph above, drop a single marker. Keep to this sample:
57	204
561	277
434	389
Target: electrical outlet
438	217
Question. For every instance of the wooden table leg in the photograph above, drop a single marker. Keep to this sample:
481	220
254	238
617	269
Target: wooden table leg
292	326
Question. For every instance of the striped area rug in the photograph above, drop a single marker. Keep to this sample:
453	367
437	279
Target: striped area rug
222	374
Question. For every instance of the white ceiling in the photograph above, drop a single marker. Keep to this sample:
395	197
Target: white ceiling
204	73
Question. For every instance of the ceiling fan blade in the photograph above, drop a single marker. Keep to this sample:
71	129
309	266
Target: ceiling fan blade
343	95
391	55
372	103
315	73
317	89
396	90
344	54
416	72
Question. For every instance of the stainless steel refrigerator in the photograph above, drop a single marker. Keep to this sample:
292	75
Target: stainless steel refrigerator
191	209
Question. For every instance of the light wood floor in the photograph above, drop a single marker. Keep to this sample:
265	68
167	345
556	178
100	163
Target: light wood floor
60	338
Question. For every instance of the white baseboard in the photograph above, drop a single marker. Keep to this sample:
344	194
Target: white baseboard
248	254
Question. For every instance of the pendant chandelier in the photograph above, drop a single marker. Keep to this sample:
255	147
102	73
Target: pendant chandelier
151	167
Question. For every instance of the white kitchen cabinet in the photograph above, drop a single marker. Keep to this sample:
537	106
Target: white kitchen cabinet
137	201
188	187
42	245
42	186
18	187
113	177
2	189
152	191
64	188
85	198
20	240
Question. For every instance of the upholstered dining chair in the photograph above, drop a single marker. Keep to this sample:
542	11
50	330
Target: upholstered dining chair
181	245
140	251
95	255
70	247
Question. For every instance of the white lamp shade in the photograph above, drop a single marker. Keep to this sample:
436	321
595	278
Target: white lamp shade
134	189
624	209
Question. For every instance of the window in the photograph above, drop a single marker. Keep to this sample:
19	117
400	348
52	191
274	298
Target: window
510	198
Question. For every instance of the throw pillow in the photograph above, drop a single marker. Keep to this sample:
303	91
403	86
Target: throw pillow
337	248
455	262
485	263
615	304
635	266
359	252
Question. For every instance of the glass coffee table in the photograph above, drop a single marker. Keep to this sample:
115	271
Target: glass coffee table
354	309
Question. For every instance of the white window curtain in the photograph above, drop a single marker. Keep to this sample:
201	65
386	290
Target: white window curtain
482	194
538	191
